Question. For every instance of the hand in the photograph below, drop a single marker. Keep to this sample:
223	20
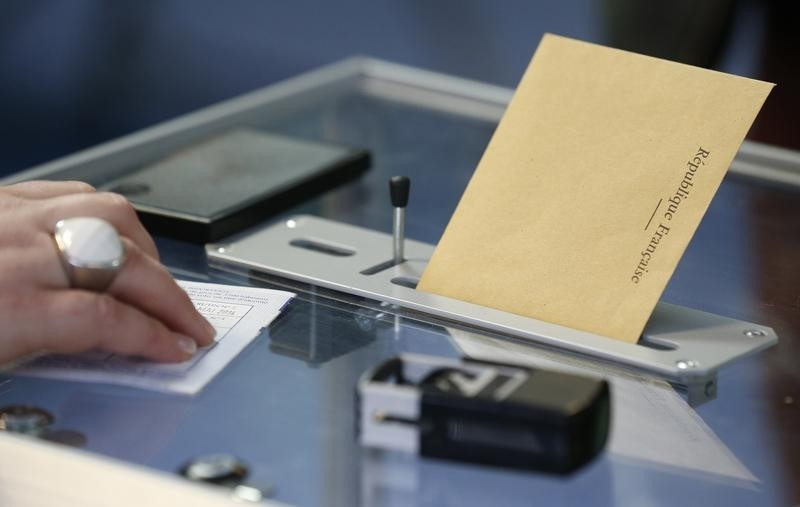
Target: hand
143	313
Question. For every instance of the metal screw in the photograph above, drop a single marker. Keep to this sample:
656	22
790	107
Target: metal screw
221	249
686	364
25	419
754	333
222	469
246	493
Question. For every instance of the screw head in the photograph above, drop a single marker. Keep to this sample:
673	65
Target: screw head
686	364
245	493
25	419
754	333
222	469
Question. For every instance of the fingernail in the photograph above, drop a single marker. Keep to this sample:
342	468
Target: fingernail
187	344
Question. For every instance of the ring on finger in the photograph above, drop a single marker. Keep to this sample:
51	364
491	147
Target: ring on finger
91	252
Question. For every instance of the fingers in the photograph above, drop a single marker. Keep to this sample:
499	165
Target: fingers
144	312
35	265
73	321
66	199
113	208
144	283
47	189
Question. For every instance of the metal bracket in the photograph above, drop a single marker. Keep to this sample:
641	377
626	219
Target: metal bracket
684	346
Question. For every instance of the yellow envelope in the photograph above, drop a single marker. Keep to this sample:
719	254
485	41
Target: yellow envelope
592	186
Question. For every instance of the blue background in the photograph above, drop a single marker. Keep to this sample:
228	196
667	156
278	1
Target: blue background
74	73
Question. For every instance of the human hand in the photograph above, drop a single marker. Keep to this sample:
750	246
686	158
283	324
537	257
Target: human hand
143	312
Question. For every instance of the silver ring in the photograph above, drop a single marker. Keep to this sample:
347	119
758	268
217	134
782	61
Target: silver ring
91	252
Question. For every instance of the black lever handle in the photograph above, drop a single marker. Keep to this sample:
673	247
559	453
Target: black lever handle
399	187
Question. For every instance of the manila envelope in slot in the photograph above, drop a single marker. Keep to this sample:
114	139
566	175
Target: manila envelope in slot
592	186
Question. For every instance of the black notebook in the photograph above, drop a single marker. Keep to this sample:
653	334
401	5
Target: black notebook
217	187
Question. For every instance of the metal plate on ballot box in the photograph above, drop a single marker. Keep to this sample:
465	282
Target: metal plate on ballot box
682	345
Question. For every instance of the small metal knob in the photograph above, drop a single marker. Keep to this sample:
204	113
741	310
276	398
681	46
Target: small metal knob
399	188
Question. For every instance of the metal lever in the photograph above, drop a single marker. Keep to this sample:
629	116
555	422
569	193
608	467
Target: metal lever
399	187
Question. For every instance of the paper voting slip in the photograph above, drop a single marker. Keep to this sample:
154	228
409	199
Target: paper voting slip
592	186
238	314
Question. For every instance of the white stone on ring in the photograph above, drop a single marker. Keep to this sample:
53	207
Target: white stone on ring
91	252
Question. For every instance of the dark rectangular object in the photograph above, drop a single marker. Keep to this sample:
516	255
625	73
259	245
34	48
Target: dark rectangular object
484	412
227	183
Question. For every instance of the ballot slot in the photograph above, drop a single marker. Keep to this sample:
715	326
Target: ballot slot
656	343
644	340
322	247
404	281
684	346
